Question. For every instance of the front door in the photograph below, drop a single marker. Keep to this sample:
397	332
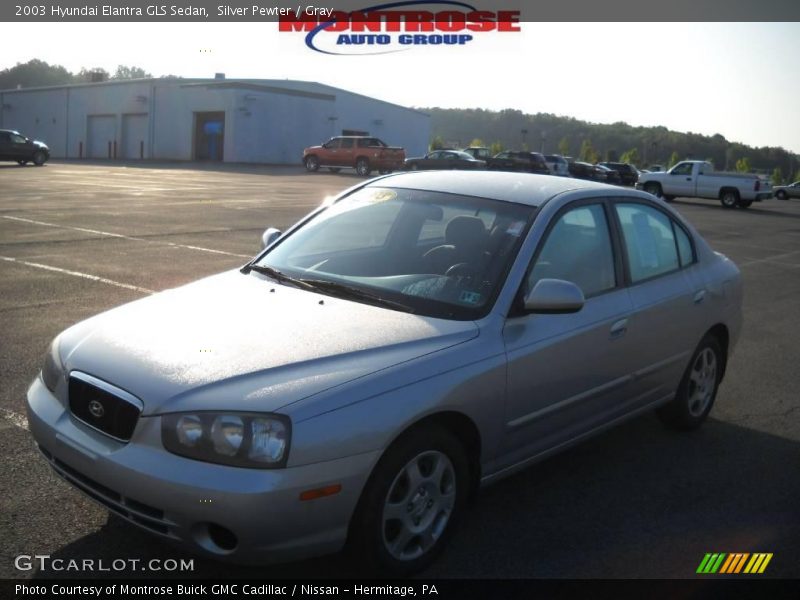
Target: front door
568	373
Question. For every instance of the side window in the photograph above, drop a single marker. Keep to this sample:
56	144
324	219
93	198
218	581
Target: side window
684	246
578	249
649	241
347	143
437	154
331	144
684	169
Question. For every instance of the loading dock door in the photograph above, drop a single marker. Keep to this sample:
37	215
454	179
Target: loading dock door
209	135
101	134
134	136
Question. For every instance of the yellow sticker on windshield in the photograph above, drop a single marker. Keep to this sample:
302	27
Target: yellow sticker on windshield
381	195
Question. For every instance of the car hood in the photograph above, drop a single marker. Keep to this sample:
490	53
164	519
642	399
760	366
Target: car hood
39	144
243	342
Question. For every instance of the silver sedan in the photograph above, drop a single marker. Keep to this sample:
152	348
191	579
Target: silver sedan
420	336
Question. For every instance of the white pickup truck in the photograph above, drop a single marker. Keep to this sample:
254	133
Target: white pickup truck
697	179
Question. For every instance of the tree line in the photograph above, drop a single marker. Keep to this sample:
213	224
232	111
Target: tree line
38	73
594	142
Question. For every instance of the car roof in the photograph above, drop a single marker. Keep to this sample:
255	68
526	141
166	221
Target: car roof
520	188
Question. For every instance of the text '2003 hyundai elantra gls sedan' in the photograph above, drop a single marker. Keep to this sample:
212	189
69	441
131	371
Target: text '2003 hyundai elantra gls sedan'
419	336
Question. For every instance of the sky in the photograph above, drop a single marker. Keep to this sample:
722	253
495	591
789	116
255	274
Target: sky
737	79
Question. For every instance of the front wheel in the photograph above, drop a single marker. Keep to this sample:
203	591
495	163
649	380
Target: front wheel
39	158
698	388
412	502
362	167
311	163
653	188
729	199
781	195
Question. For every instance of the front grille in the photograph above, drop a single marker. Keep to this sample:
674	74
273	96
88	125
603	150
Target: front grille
103	406
141	514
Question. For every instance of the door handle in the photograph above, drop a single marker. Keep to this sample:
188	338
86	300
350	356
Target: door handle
699	296
619	328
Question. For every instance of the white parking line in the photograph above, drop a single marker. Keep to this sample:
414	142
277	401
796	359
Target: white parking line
124	237
769	259
126	286
15	419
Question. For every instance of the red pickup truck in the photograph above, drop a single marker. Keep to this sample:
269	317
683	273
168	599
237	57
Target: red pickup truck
359	152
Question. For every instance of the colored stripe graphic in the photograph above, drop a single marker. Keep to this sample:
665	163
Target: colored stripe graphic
711	563
722	563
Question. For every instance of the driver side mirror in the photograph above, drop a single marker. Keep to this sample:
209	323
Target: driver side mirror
269	236
554	296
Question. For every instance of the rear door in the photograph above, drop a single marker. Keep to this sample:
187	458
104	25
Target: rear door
668	298
569	373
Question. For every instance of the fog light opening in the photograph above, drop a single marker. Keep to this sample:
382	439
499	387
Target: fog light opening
222	537
215	538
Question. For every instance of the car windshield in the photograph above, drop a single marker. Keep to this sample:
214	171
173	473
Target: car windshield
431	253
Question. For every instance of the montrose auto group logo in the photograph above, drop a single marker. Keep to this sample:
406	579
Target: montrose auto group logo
396	26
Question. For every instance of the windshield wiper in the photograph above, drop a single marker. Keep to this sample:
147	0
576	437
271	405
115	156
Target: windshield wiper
341	290
277	276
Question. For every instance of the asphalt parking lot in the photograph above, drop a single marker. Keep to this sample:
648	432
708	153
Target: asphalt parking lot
637	502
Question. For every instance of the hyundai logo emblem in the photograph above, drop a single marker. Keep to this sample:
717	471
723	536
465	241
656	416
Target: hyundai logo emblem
96	409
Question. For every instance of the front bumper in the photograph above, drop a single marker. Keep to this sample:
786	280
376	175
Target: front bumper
244	515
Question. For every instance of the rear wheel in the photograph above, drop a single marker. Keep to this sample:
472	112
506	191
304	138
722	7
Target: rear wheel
412	502
698	388
39	158
312	163
362	167
653	188
729	198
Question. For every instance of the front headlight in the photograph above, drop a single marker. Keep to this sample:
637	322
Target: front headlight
53	368
251	440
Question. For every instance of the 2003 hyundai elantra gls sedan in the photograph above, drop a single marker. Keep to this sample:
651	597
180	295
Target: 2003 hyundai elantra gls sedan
419	336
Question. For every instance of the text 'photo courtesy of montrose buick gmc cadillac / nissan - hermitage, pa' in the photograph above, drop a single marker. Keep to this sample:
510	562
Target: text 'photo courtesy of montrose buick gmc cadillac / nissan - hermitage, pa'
412	339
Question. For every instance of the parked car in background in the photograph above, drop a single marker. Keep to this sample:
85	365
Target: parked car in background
418	337
362	153
582	170
603	173
444	159
479	152
513	160
558	164
627	173
15	146
697	179
787	191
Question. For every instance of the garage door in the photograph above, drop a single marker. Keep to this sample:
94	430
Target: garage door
102	131
134	136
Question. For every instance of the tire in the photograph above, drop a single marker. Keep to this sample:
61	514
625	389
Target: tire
39	158
411	503
744	203
653	189
698	388
311	163
729	198
781	195
384	171
362	167
334	169
669	198
413	167
22	163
